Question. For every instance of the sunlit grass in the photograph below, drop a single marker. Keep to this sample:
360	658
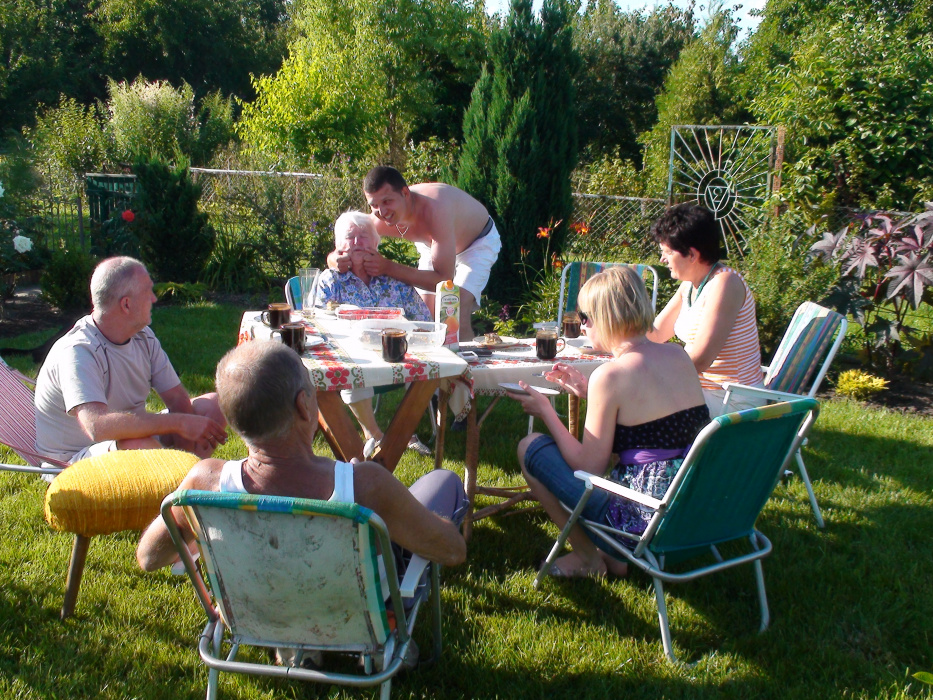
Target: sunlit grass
851	605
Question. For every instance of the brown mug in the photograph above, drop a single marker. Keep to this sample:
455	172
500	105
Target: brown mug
293	335
276	315
571	324
394	345
546	343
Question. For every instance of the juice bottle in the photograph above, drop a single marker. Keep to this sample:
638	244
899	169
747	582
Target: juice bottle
447	310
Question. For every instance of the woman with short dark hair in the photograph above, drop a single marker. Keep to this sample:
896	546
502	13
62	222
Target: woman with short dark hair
713	311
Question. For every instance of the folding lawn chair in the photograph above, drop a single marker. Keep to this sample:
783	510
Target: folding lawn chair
801	361
576	273
302	575
18	423
293	293
715	498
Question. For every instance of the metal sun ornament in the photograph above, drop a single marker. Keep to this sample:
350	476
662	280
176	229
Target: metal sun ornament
727	169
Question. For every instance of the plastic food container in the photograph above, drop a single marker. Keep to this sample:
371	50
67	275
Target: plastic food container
370	312
422	336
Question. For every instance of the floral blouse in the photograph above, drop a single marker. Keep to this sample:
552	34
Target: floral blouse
347	288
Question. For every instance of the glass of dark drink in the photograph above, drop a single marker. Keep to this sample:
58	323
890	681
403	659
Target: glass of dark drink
548	343
394	344
293	335
276	315
571	323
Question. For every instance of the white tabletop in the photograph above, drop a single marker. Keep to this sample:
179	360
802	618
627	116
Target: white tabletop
342	361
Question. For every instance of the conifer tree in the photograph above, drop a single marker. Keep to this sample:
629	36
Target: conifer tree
520	137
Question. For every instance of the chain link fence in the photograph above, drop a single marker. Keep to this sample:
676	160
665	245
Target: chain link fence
613	227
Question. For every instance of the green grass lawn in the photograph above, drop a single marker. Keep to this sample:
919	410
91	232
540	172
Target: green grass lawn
852	611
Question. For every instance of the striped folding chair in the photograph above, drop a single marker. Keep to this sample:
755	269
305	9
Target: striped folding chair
576	273
18	423
799	367
301	576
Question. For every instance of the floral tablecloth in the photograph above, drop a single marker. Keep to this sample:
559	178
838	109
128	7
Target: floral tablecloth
343	362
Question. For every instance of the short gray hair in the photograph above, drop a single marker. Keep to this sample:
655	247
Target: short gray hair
350	218
257	383
113	279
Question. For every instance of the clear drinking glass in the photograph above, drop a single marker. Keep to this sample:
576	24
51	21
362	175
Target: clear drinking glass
308	279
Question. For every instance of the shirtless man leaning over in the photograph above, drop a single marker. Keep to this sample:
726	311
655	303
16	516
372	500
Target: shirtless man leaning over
454	234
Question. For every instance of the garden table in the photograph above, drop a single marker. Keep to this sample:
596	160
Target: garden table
343	362
518	363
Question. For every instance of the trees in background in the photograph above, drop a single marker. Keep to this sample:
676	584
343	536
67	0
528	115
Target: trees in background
520	137
68	48
700	89
362	77
851	80
209	44
625	57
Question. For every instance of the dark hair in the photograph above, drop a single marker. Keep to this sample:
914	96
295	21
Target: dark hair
383	175
689	226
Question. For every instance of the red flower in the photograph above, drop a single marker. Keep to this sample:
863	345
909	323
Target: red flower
128	215
337	374
544	232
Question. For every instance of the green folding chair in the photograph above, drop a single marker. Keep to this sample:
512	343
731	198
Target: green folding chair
576	273
300	575
799	367
715	498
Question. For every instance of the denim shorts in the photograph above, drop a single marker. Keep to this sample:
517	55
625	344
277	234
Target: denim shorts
544	462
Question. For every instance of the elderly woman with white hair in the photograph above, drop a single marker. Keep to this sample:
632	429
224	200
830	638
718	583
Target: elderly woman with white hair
355	235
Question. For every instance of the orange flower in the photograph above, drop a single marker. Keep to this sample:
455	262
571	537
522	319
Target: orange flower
544	232
581	228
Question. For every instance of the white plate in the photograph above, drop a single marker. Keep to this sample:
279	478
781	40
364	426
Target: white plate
507	342
517	389
581	342
313	340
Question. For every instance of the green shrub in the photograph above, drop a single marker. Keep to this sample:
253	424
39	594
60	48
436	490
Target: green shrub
177	293
859	385
152	119
781	278
65	282
175	238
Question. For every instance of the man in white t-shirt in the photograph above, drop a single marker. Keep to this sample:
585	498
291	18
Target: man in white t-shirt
91	392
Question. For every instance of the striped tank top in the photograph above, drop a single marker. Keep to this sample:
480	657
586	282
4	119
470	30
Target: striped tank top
740	357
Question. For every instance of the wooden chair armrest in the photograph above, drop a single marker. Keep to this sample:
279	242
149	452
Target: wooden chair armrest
618	489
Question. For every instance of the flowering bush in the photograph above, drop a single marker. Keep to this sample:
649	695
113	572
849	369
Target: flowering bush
16	249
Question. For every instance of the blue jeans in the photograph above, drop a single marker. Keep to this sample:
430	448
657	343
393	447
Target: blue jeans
545	463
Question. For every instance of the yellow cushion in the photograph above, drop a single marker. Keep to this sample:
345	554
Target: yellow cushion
115	491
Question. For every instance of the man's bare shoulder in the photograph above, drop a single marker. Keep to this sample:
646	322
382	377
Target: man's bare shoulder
204	476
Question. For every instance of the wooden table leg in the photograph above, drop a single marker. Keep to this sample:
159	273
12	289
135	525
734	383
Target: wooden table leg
404	422
573	415
441	418
338	427
471	463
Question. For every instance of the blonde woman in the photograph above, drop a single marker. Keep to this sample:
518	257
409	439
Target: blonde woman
645	405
